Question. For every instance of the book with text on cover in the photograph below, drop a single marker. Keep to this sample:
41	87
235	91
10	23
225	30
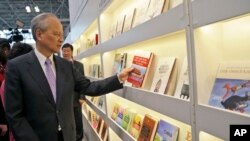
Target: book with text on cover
231	88
141	63
148	128
164	70
166	132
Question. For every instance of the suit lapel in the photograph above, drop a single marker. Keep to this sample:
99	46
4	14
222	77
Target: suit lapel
38	75
59	80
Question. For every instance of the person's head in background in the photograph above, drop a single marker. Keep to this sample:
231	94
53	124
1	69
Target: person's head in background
47	31
67	51
4	50
19	49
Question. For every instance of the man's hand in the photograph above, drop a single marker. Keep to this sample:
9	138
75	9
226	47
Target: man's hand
3	128
123	75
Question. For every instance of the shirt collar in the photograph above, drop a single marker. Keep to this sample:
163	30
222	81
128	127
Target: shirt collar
42	58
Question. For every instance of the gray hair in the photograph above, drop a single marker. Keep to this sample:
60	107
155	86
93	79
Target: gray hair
39	22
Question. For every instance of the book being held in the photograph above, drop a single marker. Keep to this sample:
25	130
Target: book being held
231	89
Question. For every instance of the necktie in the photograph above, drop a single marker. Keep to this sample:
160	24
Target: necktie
50	77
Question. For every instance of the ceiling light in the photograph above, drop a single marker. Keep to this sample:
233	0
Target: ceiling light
28	9
37	9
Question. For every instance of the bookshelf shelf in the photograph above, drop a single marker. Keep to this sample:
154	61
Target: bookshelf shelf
148	99
217	121
210	11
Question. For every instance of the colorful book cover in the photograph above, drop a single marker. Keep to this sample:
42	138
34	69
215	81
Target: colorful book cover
135	126
127	118
182	88
231	89
119	63
120	115
166	132
141	62
115	111
162	74
148	128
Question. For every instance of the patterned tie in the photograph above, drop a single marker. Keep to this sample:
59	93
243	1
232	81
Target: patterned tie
50	77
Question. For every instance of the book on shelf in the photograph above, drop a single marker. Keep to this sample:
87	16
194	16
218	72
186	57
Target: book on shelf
129	18
188	136
101	103
119	63
135	126
112	30
140	13
141	63
155	8
120	115
96	70
115	111
231	89
148	128
99	125
182	88
94	119
166	132
128	115
164	70
104	132
120	25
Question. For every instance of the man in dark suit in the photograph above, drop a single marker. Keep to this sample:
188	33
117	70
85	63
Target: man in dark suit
67	52
40	86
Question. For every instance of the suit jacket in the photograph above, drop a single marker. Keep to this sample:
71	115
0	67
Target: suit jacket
78	66
30	108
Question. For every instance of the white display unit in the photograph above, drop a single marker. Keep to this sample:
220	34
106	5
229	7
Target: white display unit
208	32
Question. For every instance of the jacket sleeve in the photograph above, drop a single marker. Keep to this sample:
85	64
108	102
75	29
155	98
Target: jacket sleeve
14	106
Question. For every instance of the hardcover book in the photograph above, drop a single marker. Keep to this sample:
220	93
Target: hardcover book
164	70
119	63
182	89
231	88
135	126
166	132
148	128
141	63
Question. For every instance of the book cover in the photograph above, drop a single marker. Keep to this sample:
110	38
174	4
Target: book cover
140	13
101	103
119	63
188	136
129	18
104	130
99	125
182	88
115	111
120	25
231	88
166	132
120	115
155	8
127	118
162	74
141	62
135	126
148	128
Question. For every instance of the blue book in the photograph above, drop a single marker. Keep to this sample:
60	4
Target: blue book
166	132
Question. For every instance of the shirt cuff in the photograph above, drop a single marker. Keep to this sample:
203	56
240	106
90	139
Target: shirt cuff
119	79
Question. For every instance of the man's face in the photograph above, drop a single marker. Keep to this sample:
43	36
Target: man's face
67	53
51	39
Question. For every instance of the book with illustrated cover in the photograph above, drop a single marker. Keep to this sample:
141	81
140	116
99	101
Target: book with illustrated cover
231	88
129	18
128	115
120	115
119	63
148	128
166	132
141	63
135	126
164	70
115	111
182	88
155	8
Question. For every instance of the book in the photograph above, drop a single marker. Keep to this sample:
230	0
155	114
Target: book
99	125
182	88
155	8
120	115
140	13
135	126
128	115
166	132
141	62
101	103
120	25
188	136
115	111
162	74
231	88
148	128
119	63
96	70
104	131
129	18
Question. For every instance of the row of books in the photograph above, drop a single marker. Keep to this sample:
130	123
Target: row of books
147	10
147	128
87	43
99	101
95	70
164	78
98	124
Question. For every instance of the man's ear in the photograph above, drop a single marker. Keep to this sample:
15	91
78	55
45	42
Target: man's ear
39	34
